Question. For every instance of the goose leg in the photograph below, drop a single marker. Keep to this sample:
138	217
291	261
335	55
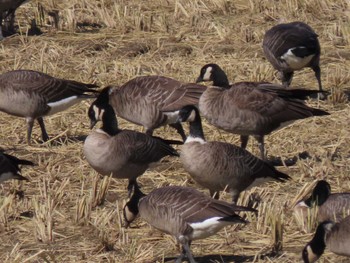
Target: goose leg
149	132
317	71
287	78
260	139
186	247
43	130
244	141
30	123
179	129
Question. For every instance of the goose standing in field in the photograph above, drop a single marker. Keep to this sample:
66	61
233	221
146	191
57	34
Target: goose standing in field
334	236
251	108
290	47
122	153
332	207
154	101
219	165
9	167
33	95
184	213
8	9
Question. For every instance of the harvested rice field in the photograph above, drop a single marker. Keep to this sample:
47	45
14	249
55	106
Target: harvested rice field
66	212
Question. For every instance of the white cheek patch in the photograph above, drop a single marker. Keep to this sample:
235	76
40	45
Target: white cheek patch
62	105
295	62
195	139
172	116
192	116
207	74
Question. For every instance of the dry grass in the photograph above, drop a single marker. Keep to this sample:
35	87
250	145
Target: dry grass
67	214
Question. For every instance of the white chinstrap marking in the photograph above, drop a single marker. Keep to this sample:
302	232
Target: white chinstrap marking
302	204
62	105
207	74
208	227
296	62
195	139
172	116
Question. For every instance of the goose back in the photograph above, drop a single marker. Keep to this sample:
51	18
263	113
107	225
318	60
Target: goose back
295	37
150	100
179	211
338	238
249	108
39	94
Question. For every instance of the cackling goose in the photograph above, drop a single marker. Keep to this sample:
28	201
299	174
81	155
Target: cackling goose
122	153
33	95
154	101
184	213
251	108
291	47
332	207
9	167
334	236
221	166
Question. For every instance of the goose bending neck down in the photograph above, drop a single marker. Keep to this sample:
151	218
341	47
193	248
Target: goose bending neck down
184	213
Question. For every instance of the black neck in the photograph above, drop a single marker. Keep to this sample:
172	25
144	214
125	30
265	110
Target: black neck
317	243
318	197
220	78
196	129
109	121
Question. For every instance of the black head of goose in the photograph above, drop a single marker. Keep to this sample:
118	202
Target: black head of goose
154	101
291	47
332	207
8	9
33	95
222	166
251	108
9	167
122	153
184	213
331	235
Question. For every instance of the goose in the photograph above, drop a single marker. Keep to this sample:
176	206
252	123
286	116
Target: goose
33	95
154	101
334	236
332	207
290	47
184	213
9	167
251	108
8	9
122	153
221	166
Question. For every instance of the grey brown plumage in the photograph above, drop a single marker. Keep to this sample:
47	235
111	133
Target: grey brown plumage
33	95
330	206
251	108
333	236
184	213
122	153
221	166
293	46
153	101
8	9
9	167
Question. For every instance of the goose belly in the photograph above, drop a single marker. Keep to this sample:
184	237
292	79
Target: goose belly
22	104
